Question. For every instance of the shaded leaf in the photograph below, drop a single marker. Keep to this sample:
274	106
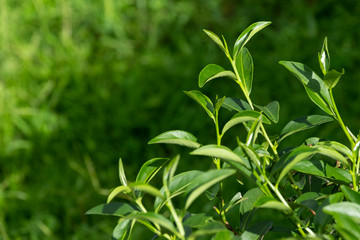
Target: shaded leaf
314	85
209	229
331	78
271	110
223	235
213	71
203	100
205	181
245	68
347	227
251	198
113	208
197	220
247	34
350	194
257	231
243	116
303	123
177	137
321	217
236	104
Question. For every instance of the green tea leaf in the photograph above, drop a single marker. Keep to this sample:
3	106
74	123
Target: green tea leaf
271	110
251	154
245	67
217	40
347	228
203	100
350	194
113	208
324	170
121	229
243	116
257	231
117	190
236	104
223	235
338	147
348	209
197	220
321	217
213	71
216	151
205	181
247	34
209	229
324	57
288	161
272	203
331	78
169	170
253	132
122	175
177	137
303	123
149	169
250	198
313	84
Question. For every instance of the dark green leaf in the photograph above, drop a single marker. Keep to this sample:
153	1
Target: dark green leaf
350	194
197	220
236	104
251	154
257	231
209	229
216	151
303	123
271	110
250	198
113	208
245	68
324	57
324	170
203	100
213	71
246	35
204	181
178	137
243	116
321	218
331	78
150	169
314	85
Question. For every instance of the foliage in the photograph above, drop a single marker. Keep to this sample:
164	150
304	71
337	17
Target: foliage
315	186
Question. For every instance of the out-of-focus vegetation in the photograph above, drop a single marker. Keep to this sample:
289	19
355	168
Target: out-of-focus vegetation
85	82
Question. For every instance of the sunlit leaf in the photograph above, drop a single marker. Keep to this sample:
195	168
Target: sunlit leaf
253	132
213	71
113	208
350	194
331	78
149	169
245	68
169	170
177	137
324	57
236	104
216	39
271	110
272	203
247	34
303	123
216	151
203	100
348	209
122	175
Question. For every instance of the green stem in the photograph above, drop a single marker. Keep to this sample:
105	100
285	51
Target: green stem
177	220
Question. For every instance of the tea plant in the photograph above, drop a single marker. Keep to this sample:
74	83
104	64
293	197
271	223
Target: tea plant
313	186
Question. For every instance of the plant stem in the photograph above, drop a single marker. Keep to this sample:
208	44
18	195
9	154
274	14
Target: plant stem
177	219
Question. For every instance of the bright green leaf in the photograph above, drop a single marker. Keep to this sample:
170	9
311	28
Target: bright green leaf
251	154
149	169
236	104
122	175
216	151
217	40
271	110
245	67
205	181
213	71
350	194
250	198
177	137
203	100
303	123
338	147
253	132
113	208
331	78
324	57
247	34
272	203
223	235
197	220
121	229
170	169
331	153
348	209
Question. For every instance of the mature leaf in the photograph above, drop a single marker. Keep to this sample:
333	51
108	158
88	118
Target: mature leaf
117	190
253	132
121	229
153	218
303	123
217	40
288	161
122	175
272	203
169	170
236	199
246	35
271	110
216	151
205	181
324	57
257	231
338	147
331	78
209	229
203	100
331	153
321	217
245	68
251	154
348	209
236	104
149	169
243	116
350	194
177	186
223	235
113	208
251	198
324	170
314	85
347	227
178	137
138	186
213	71
197	220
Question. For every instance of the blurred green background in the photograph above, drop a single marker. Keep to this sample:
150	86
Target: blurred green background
85	82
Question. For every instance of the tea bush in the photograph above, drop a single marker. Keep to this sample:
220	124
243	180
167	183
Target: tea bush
257	189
